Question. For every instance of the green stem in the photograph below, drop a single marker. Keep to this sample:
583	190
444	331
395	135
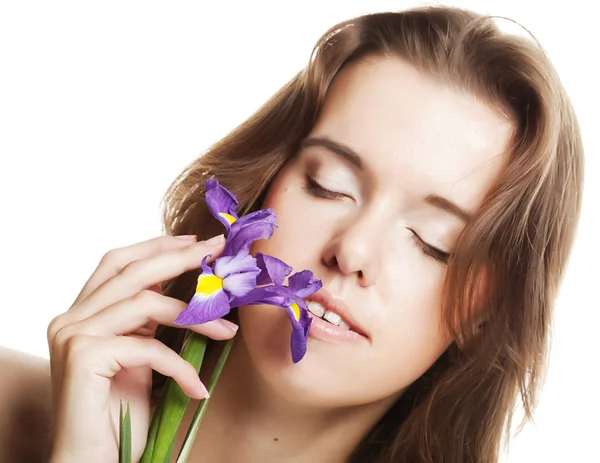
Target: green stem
124	435
172	405
201	410
153	431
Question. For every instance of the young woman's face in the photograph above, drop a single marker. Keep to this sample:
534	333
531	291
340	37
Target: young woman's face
361	207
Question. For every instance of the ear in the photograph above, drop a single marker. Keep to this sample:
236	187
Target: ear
475	320
482	293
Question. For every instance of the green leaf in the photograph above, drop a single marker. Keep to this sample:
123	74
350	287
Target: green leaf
201	410
170	452
176	401
124	435
153	430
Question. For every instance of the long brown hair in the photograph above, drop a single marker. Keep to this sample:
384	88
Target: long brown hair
516	247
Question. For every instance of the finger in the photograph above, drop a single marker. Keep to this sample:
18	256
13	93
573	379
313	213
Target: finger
147	308
105	357
115	260
142	274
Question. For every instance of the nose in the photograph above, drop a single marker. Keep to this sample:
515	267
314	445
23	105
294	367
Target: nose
354	249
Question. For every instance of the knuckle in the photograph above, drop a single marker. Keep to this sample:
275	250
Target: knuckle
190	367
145	297
111	257
62	336
128	269
53	328
163	353
184	251
156	347
77	346
156	307
147	302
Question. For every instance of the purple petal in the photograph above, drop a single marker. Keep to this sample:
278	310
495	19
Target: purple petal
303	284
221	201
272	269
240	284
301	323
258	225
238	263
209	302
281	296
202	309
206	270
265	295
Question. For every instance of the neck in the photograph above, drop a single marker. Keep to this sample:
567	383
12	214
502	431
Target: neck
244	421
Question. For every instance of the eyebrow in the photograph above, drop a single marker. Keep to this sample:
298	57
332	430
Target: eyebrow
351	156
448	206
337	148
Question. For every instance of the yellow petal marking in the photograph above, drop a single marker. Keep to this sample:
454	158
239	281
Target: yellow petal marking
296	311
208	285
227	217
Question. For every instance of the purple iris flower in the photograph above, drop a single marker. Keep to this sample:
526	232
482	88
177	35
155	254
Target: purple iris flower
290	297
233	279
241	231
233	276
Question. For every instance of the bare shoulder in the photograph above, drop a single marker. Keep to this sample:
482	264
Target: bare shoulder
25	398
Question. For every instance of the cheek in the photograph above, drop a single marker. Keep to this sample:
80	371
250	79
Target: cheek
296	241
406	318
301	230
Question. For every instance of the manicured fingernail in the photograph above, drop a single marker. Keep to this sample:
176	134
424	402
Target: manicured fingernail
227	324
215	239
186	237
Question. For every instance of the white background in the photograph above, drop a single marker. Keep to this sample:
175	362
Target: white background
103	103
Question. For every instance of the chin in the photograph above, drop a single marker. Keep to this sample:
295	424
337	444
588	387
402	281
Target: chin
325	377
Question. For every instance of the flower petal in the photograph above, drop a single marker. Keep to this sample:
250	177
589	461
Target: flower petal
258	225
203	308
240	284
265	295
209	302
301	323
303	284
206	270
272	269
238	263
221	203
281	296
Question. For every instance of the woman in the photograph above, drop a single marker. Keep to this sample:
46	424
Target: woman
428	170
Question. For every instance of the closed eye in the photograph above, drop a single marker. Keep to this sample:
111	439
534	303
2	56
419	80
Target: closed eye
318	191
429	250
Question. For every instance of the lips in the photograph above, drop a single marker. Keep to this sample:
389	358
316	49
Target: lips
339	307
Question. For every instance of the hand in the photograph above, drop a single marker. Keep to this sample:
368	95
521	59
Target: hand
102	349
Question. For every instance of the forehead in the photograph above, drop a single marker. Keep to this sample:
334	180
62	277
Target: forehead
415	132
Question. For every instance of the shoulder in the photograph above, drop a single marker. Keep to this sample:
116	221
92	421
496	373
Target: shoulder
25	398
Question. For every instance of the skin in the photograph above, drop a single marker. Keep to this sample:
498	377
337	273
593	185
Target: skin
414	137
102	349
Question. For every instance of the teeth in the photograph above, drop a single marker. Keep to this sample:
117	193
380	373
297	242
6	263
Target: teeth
332	318
316	308
319	311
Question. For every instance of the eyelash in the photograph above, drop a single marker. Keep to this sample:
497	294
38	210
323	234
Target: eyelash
316	190
429	250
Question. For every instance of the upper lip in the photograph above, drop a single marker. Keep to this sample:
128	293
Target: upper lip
338	306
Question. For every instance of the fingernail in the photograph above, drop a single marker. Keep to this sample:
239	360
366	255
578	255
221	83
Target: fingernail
227	324
186	237
215	239
202	391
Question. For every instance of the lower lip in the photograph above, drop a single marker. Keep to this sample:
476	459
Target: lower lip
325	331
